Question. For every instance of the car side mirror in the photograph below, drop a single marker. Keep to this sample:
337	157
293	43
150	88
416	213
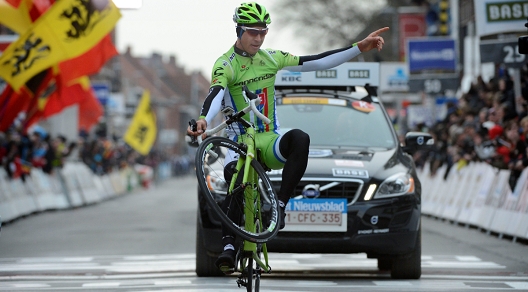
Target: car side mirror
415	141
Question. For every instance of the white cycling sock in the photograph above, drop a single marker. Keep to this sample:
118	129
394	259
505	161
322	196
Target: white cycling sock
281	204
229	246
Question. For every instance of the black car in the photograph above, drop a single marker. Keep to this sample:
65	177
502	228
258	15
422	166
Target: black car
360	192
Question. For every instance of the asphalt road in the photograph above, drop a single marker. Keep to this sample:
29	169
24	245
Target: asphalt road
145	241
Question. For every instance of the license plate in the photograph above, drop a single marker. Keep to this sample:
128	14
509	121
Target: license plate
312	215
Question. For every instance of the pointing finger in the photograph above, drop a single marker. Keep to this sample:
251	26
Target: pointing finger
381	30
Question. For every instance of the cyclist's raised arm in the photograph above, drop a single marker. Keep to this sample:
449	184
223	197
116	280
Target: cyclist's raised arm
330	59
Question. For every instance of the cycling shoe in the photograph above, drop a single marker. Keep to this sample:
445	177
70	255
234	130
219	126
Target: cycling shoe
226	261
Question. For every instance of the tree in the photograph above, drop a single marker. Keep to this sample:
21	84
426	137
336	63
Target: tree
333	23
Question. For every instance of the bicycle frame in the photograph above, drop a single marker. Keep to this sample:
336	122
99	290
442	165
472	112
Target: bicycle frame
252	201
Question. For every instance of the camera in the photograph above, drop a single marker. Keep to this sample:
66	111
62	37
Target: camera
523	42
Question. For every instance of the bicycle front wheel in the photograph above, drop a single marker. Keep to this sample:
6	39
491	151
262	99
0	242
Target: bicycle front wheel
211	157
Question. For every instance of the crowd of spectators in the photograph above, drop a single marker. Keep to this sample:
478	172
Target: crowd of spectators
20	153
489	123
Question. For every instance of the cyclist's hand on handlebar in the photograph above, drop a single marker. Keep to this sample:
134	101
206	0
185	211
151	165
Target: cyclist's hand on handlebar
201	126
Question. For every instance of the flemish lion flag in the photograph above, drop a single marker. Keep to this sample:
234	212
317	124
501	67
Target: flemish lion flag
66	30
15	17
142	131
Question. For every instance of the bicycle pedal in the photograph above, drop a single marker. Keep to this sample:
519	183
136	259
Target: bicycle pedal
241	283
227	270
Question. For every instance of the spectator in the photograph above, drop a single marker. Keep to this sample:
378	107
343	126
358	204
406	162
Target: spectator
40	148
517	159
49	156
506	98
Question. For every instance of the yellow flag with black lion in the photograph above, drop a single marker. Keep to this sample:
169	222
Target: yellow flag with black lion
142	132
66	30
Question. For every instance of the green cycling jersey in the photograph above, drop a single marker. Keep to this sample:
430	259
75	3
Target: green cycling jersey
236	68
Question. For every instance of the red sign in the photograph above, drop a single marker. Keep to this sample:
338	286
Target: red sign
410	25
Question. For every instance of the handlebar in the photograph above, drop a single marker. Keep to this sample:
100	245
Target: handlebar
254	100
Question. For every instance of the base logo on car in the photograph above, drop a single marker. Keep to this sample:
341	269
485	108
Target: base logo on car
350	172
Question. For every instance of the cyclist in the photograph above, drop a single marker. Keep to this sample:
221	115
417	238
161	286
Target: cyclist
245	63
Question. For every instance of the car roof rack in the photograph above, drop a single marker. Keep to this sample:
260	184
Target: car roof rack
314	89
335	91
345	75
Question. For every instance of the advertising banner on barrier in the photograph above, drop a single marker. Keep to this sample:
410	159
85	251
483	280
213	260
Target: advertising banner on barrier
72	185
466	193
512	198
443	199
439	188
7	207
454	203
22	199
522	189
482	197
483	192
516	204
472	194
499	220
89	191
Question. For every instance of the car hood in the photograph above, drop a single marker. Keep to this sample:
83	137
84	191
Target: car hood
352	163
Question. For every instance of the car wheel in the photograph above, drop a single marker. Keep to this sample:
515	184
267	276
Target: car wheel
205	266
409	267
384	264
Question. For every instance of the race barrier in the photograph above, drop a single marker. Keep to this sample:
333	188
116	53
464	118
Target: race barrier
477	195
74	185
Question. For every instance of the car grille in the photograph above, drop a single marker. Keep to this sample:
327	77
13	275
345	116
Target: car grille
349	189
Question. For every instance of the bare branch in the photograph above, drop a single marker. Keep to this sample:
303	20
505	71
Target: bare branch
325	24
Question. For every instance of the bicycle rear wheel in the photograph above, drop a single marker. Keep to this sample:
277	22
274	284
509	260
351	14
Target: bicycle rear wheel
210	161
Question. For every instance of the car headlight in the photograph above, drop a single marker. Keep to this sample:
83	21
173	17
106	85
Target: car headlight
396	185
216	182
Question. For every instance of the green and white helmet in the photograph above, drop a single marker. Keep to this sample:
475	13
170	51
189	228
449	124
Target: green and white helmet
251	13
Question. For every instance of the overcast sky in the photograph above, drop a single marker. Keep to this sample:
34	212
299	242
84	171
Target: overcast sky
197	32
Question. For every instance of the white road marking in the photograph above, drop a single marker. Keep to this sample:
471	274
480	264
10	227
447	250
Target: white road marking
23	285
392	283
101	284
518	285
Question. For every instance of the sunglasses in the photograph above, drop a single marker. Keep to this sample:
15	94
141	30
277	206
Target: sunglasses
255	31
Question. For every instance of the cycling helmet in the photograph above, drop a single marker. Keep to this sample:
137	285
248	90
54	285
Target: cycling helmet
251	13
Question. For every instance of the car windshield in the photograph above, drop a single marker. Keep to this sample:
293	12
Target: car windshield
335	122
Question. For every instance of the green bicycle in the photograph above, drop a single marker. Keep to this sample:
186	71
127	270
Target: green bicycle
259	222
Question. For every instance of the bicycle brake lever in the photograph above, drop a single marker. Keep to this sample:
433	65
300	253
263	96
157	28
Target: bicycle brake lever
251	95
194	127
